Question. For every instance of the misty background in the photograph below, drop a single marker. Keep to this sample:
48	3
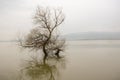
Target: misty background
82	17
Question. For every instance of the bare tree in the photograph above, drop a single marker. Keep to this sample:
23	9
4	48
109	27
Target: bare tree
45	36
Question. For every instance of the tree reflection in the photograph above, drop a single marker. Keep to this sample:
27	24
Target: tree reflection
43	70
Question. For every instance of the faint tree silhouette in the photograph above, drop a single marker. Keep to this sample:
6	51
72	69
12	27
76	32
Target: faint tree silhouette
45	35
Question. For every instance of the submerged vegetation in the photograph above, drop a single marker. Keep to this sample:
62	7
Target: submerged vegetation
38	70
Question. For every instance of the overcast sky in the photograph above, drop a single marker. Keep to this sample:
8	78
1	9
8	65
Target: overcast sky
81	16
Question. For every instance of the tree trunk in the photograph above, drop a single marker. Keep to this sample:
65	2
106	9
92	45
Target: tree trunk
57	53
45	53
44	47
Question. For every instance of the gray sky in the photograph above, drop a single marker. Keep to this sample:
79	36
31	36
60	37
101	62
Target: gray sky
81	16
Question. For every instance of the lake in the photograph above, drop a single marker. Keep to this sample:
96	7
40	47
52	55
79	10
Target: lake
83	60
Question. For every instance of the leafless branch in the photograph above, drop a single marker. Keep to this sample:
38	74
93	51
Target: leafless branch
43	36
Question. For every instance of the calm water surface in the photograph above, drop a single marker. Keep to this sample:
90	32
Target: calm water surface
84	60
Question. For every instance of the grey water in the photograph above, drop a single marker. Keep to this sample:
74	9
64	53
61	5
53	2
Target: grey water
84	60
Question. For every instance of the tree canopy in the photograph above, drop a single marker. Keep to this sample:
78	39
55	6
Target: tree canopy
45	35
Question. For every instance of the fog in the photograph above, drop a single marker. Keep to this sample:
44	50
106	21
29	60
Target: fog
81	16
